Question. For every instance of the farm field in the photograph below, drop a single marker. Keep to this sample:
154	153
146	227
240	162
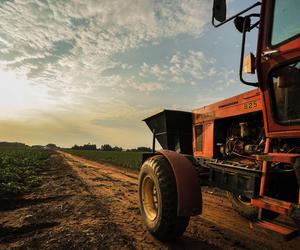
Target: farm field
130	160
19	168
83	204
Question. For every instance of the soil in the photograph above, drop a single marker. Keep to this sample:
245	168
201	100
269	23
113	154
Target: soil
88	205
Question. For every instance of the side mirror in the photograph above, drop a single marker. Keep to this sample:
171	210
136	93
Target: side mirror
249	64
219	10
239	22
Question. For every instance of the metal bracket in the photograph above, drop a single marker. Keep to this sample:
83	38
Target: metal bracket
269	53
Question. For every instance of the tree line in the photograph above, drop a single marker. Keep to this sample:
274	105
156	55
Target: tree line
108	147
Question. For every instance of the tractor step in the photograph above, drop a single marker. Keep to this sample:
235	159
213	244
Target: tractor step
278	206
287	232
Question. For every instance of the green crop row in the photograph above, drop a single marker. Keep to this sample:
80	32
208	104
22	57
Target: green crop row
19	169
124	159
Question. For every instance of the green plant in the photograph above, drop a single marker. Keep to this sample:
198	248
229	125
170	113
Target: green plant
19	168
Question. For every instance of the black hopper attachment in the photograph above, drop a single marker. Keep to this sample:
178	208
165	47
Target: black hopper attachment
173	130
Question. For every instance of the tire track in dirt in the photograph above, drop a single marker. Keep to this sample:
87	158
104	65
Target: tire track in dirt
219	227
117	191
61	214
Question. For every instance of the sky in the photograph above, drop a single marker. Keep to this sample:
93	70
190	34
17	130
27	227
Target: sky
90	71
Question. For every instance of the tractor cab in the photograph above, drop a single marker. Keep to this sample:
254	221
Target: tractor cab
277	60
277	67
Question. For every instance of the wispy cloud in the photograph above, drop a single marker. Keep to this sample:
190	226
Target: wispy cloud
189	68
62	43
66	49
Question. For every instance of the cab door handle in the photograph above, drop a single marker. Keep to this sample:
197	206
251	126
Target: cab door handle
269	53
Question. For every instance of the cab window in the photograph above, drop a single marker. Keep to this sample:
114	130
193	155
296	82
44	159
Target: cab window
286	20
285	85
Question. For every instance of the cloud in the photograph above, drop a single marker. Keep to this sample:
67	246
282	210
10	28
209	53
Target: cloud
65	48
194	68
126	66
147	87
188	68
66	41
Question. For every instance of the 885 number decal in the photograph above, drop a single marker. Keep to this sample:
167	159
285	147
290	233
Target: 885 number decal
250	105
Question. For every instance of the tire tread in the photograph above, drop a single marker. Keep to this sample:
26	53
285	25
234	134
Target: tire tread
171	226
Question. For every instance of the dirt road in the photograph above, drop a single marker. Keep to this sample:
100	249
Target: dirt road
87	205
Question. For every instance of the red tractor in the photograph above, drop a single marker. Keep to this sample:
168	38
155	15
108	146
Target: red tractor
247	145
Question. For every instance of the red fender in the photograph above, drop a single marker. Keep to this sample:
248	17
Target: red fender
188	188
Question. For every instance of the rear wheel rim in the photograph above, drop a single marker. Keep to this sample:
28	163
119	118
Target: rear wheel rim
150	198
244	200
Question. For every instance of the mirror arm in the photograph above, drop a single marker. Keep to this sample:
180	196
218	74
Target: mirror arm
253	84
254	25
231	18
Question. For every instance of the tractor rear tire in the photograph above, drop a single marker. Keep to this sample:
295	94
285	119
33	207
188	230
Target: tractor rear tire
158	200
242	206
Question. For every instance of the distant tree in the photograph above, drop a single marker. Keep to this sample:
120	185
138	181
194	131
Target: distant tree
75	147
106	147
119	149
140	149
12	145
88	146
143	149
51	146
37	146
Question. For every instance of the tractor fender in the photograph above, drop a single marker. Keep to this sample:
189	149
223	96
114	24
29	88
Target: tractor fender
189	197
